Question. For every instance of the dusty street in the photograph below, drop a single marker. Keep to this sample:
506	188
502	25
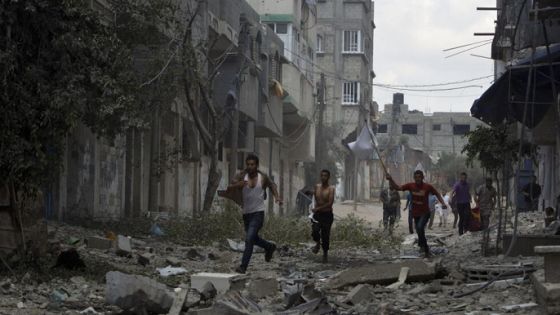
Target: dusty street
355	281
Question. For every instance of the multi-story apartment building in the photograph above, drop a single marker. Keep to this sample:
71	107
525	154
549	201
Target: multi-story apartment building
344	55
294	21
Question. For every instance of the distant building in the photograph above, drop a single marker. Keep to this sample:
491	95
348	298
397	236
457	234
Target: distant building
417	139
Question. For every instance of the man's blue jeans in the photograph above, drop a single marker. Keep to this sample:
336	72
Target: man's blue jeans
420	225
253	223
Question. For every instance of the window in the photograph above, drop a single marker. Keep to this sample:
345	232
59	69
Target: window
350	93
436	127
352	42
319	44
382	128
281	28
461	129
408	129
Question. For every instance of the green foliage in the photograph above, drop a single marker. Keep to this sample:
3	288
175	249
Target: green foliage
450	165
62	64
492	146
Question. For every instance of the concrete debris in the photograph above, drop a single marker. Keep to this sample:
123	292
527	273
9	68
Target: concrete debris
236	304
260	288
124	246
173	261
402	278
384	273
99	243
359	293
292	294
193	254
145	259
89	311
208	291
223	282
548	294
519	306
318	306
137	292
171	271
178	302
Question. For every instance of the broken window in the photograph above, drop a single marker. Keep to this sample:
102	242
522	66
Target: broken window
319	43
436	127
382	128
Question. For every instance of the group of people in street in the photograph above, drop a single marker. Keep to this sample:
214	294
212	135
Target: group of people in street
423	202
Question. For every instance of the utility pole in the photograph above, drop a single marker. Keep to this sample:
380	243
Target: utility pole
241	47
319	136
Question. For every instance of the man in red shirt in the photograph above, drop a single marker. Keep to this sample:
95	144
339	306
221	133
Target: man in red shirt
420	205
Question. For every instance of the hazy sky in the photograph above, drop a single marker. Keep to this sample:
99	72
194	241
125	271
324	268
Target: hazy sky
408	44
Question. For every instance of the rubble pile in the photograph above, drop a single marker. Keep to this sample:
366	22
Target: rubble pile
149	275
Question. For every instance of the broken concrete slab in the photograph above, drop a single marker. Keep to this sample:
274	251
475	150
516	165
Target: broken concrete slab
260	288
99	243
134	291
548	294
384	274
359	294
145	259
223	282
124	247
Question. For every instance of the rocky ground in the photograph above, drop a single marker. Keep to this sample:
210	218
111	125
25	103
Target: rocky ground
355	281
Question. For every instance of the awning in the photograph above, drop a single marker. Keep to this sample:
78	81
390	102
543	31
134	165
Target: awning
505	99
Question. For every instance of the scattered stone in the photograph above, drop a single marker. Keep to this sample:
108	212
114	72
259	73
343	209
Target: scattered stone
212	256
223	282
234	303
89	311
145	259
20	305
59	296
292	294
260	288
69	259
193	254
315	307
358	294
310	293
124	247
99	243
134	291
173	261
208	292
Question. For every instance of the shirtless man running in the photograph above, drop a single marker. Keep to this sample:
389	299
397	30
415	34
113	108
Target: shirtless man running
323	214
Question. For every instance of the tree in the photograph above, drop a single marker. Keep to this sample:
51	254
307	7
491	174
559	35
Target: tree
59	65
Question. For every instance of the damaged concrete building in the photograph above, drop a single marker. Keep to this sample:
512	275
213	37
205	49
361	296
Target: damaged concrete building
163	168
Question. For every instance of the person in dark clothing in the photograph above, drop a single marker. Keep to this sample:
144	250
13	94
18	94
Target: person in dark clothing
420	205
323	214
532	192
462	194
391	202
